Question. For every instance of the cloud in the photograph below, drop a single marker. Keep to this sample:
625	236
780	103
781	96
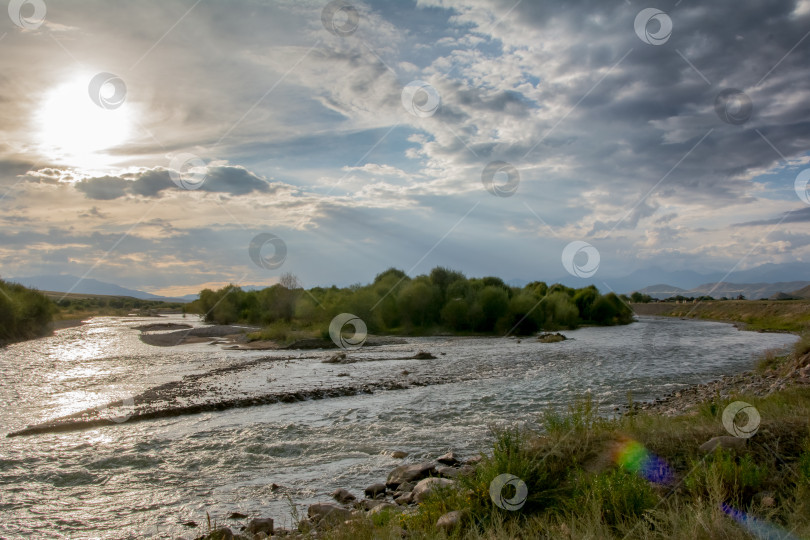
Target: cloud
153	182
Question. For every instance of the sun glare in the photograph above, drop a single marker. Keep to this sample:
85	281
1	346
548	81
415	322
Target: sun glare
76	131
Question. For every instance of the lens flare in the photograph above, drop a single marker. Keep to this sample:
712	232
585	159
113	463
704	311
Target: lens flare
634	457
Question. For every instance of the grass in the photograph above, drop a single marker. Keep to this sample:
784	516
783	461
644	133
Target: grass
636	477
757	315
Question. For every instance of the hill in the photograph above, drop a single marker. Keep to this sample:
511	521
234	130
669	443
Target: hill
64	283
751	291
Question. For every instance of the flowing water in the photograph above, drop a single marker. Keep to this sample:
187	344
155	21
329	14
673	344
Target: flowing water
146	478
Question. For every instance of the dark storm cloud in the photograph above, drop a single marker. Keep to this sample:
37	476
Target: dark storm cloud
151	183
796	216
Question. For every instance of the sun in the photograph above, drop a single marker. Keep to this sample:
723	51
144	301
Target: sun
75	130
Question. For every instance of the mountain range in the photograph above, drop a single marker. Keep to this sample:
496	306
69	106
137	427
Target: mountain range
77	285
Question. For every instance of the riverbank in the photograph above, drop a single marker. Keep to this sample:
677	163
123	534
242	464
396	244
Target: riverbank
685	466
756	315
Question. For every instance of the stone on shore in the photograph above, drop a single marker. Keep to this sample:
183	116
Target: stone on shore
381	508
427	486
448	459
404	499
327	513
725	441
448	472
260	525
399	454
450	521
375	490
223	533
409	473
343	496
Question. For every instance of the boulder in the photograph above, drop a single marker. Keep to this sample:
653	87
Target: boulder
405	487
368	504
724	441
548	337
260	525
399	454
447	472
404	498
450	521
343	496
375	490
409	473
381	508
222	533
475	460
448	459
427	486
328	513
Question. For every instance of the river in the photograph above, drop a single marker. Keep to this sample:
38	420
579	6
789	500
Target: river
138	479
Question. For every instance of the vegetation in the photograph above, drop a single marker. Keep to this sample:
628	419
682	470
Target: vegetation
24	313
639	476
81	306
761	315
443	301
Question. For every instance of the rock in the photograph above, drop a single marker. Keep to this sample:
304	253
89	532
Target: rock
406	486
409	473
448	459
189	524
260	536
548	337
374	490
368	504
237	515
423	355
448	472
222	533
337	358
327	513
381	508
399	454
427	486
449	521
765	498
725	441
343	496
475	460
263	525
404	499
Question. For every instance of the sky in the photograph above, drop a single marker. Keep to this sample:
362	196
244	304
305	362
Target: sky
175	145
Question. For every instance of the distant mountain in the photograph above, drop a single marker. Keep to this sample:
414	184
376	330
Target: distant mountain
752	291
74	284
804	292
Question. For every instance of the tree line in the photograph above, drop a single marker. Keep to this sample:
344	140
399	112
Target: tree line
442	301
